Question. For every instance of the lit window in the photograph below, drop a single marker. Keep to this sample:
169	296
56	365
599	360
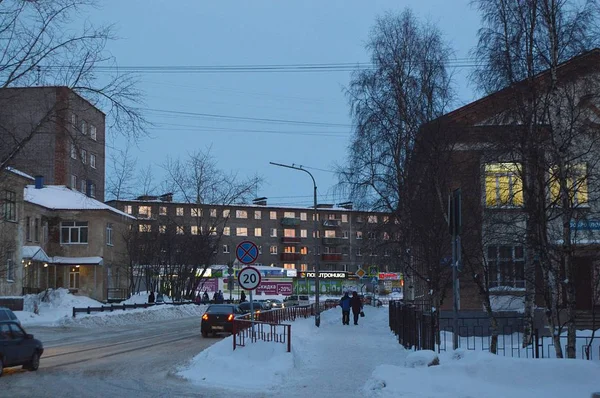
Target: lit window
74	277
194	230
226	231
576	185
273	215
359	235
289	249
304	250
241	231
303	216
226	213
289	233
303	267
179	211
289	266
241	214
372	219
344	217
92	161
128	209
386	219
196	212
213	231
329	234
73	232
257	231
109	234
257	215
273	232
506	266
289	214
162	210
73	151
213	212
303	233
503	186
180	230
273	249
144	212
161	229
146	228
93	133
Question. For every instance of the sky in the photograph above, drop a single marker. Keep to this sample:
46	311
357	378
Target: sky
249	119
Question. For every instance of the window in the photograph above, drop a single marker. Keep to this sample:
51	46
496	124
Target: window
386	236
241	214
503	186
82	186
225	248
289	233
372	219
180	230
92	160
241	231
74	120
162	210
10	266
179	211
273	232
304	250
74	232
331	216
329	234
273	249
73	151
303	267
144	212
303	233
83	127
344	217
93	190
36	230
360	219
577	185
73	181
289	214
359	235
162	229
83	156
128	209
194	230
148	228
93	133
109	234
260	249
257	231
345	234
257	215
226	231
74	278
303	216
226	213
506	266
273	215
196	212
289	266
372	235
358	252
213	212
28	228
385	219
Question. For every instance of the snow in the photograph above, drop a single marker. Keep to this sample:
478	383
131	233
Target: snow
367	361
507	303
19	173
59	197
56	309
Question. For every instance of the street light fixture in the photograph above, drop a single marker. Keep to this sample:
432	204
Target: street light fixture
317	270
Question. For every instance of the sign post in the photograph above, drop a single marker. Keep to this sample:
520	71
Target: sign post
249	277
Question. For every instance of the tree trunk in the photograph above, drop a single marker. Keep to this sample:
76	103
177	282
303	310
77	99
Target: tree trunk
571	312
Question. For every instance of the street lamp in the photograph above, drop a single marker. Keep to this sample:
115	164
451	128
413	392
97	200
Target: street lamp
316	242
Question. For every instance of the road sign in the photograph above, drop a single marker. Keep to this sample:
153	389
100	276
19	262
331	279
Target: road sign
249	278
373	271
230	270
374	280
246	252
361	273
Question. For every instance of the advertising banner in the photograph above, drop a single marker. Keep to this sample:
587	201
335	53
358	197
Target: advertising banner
211	285
307	286
273	288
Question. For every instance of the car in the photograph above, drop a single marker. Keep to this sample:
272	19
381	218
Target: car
258	307
276	304
218	318
297	300
18	348
266	304
6	314
332	302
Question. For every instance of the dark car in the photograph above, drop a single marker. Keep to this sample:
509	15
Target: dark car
17	348
218	318
6	314
258	307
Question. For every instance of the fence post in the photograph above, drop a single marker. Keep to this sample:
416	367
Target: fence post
74	312
88	310
289	345
233	333
536	338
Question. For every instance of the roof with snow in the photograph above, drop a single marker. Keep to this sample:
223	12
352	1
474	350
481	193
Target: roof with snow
19	173
59	197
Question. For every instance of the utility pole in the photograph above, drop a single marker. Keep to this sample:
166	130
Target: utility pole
455	225
315	238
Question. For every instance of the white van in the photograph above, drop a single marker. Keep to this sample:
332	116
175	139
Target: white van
297	300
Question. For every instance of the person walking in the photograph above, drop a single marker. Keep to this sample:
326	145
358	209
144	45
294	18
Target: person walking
345	304
242	297
151	298
356	305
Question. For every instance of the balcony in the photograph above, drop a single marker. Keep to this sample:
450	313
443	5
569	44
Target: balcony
290	256
332	223
337	241
332	257
287	239
290	222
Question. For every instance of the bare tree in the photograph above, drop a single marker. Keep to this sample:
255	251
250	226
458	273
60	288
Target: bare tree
41	46
120	177
521	48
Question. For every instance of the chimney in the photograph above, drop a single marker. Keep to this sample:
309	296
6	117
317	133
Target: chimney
259	201
39	182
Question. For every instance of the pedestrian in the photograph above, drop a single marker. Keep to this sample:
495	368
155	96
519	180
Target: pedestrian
151	298
345	304
242	297
356	305
205	298
216	297
220	297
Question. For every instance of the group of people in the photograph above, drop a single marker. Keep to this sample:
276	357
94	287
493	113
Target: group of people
351	303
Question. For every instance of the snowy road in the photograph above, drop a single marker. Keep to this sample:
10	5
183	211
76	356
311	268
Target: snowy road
134	360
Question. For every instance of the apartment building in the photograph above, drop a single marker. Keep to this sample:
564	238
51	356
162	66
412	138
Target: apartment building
345	238
62	134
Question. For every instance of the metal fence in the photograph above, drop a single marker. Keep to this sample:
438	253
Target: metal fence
123	307
253	331
414	328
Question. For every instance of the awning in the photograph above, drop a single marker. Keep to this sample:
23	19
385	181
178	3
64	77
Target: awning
77	260
35	253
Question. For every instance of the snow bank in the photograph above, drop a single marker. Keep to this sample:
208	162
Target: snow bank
421	358
256	367
52	305
486	375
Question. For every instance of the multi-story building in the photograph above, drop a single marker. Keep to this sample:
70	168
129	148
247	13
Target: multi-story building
62	136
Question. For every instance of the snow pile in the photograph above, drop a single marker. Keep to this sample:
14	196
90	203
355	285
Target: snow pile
421	358
139	315
480	374
255	367
52	305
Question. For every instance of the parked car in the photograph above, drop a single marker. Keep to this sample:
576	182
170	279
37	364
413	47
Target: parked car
17	348
297	300
6	314
218	318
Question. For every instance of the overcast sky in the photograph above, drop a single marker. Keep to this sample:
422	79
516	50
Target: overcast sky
303	117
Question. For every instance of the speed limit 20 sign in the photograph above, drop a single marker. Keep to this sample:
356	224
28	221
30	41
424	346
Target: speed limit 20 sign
249	278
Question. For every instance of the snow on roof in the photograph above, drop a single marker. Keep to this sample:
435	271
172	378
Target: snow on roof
59	197
35	253
20	173
77	260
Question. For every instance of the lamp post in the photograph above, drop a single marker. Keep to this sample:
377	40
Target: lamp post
317	270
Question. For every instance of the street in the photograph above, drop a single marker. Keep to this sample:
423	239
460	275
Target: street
131	360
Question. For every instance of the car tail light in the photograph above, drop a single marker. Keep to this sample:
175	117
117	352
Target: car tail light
205	317
230	317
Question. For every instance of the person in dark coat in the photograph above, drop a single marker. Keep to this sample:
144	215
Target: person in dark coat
345	304
205	298
242	297
356	305
151	298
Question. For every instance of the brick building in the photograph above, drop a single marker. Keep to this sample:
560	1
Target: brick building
62	134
